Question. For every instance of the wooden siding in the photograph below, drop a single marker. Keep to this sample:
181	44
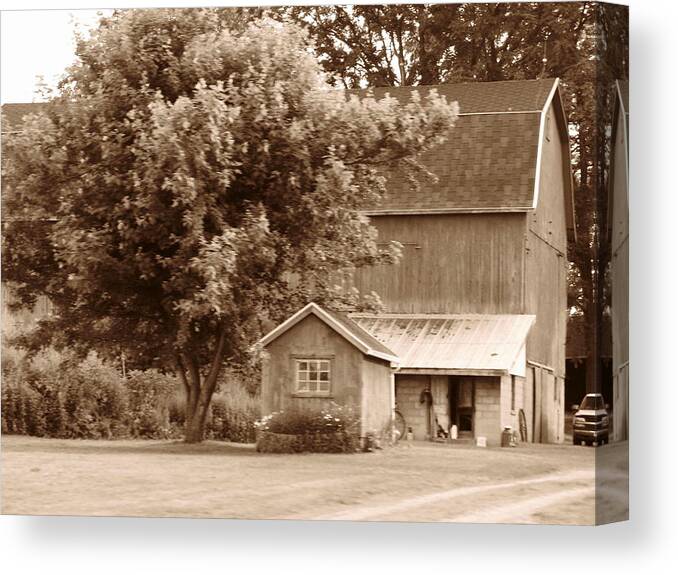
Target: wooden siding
546	256
376	398
548	397
356	380
548	221
452	263
546	298
310	338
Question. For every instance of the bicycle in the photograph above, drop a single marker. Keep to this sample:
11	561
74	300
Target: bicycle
399	426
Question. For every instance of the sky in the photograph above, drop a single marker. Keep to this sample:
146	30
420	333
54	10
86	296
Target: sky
40	42
37	43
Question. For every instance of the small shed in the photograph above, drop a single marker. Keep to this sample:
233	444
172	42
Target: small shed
318	356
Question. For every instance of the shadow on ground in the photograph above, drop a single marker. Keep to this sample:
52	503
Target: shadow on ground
174	447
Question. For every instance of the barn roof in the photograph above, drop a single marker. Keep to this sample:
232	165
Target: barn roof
490	159
344	326
452	343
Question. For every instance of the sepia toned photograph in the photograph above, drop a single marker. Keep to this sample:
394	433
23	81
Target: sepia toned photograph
335	262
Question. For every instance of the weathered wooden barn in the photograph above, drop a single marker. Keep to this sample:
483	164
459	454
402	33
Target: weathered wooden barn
618	228
476	310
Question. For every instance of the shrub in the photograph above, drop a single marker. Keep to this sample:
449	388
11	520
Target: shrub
333	429
234	413
149	395
94	401
53	394
331	419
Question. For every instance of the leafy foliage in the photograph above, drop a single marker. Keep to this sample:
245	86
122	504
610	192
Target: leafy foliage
188	171
330	419
332	429
55	395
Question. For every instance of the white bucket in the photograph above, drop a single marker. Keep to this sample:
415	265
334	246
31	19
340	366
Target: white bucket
481	441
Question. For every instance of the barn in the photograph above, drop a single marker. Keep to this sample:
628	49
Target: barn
476	310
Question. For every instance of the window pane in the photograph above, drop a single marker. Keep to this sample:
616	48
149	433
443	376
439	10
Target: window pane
313	375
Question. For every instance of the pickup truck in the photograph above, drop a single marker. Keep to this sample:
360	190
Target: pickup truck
591	422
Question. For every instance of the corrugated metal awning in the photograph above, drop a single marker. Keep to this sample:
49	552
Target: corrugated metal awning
463	344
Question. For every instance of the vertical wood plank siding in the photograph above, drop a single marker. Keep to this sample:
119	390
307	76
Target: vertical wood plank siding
357	381
452	263
546	261
376	405
310	338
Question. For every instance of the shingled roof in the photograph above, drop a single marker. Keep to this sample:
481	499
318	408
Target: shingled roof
489	161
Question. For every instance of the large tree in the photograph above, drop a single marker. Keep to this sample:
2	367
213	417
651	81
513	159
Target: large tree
194	175
583	43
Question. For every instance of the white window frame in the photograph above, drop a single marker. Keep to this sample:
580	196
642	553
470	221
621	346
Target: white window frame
308	386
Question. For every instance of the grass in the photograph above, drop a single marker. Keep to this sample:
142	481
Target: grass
214	479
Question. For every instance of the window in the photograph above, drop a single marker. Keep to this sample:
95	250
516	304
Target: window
313	376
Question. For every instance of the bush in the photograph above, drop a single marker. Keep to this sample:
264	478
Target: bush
330	430
94	401
54	395
234	414
149	395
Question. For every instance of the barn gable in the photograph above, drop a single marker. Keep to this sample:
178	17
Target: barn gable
491	161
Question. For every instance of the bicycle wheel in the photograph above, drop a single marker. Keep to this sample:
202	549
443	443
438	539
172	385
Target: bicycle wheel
399	424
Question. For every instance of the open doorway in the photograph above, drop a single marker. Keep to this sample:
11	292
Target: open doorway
462	396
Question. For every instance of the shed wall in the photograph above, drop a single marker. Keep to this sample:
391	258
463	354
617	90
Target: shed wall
310	338
487	416
377	399
408	390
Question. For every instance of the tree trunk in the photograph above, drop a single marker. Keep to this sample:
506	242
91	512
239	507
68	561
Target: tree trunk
199	390
194	428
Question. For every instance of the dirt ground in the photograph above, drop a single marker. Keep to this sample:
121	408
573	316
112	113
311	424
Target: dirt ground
425	482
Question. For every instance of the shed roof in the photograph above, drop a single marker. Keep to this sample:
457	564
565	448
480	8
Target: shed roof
451	343
344	326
